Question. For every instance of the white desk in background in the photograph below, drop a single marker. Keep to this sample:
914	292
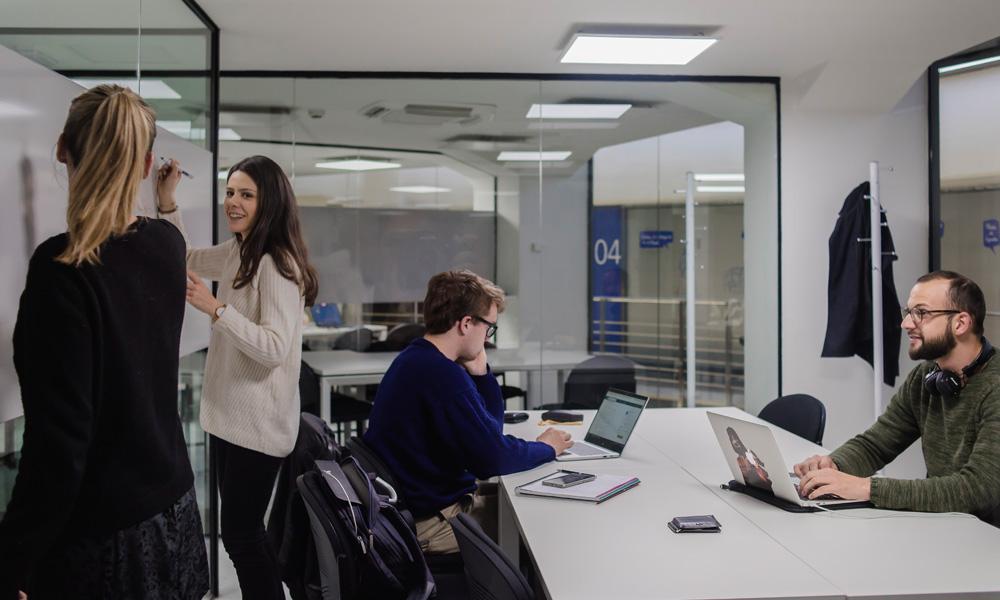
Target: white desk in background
622	549
347	367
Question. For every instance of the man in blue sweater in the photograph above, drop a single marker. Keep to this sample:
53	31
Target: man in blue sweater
437	420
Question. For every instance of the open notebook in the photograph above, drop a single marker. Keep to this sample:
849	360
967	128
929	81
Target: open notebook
598	490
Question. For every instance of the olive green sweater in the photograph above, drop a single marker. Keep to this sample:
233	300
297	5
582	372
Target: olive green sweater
960	437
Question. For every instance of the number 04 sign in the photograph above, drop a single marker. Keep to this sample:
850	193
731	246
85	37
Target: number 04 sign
604	251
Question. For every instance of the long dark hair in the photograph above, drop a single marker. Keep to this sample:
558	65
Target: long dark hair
275	229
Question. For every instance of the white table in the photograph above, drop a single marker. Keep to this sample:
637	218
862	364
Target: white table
914	555
761	552
347	367
622	548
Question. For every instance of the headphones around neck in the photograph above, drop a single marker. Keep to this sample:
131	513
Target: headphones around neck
941	382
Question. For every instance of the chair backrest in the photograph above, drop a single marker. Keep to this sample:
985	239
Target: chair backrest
372	462
323	532
288	525
488	571
377	554
400	336
801	414
589	381
358	339
308	389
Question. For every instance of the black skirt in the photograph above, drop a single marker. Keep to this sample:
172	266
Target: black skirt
161	558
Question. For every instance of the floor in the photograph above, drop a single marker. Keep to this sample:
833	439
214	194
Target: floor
229	587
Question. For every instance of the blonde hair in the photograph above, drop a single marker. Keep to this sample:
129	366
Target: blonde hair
108	132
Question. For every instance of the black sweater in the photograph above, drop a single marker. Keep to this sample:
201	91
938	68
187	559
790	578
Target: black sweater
96	352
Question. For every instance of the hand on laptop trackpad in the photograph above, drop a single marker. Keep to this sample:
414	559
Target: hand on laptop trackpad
823	497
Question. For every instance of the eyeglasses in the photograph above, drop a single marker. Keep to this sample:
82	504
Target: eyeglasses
919	314
491	327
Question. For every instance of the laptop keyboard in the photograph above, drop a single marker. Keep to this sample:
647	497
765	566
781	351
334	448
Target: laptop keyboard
581	449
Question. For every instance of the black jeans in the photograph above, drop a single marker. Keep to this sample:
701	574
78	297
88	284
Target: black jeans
246	480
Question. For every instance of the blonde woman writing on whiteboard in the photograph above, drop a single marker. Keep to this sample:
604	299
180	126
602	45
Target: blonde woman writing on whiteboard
250	402
104	503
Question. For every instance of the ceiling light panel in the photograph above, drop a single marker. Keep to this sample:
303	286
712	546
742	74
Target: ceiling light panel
577	111
724	189
419	189
152	89
635	50
512	156
719	177
969	65
358	164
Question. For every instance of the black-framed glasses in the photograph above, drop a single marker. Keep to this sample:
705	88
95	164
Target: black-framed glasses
491	327
919	314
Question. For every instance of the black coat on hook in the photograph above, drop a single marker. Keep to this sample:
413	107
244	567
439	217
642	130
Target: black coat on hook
849	303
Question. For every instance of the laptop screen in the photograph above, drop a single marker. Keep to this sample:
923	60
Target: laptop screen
615	420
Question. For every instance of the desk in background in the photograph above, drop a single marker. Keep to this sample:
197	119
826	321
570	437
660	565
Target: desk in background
623	549
347	367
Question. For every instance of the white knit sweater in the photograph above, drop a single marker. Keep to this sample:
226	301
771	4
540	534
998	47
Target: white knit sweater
250	394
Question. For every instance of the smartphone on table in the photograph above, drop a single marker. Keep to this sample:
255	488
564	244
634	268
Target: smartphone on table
569	479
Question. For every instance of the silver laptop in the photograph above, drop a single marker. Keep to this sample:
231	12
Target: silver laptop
755	461
612	426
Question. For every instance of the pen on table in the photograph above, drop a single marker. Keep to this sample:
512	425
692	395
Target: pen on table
183	172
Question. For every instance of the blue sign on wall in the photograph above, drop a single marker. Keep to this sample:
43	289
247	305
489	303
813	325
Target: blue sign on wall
991	234
655	239
607	274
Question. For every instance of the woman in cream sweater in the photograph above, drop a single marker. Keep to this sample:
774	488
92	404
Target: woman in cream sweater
250	401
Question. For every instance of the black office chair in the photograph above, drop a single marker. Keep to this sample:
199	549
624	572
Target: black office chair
372	462
399	337
358	339
801	414
447	569
488	571
344	410
590	380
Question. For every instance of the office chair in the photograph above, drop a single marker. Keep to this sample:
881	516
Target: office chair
323	533
358	339
447	569
801	414
590	380
399	337
344	409
488	571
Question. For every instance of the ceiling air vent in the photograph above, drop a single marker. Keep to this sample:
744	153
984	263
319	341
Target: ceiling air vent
485	137
407	113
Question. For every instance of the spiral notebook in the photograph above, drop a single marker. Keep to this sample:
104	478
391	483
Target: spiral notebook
600	489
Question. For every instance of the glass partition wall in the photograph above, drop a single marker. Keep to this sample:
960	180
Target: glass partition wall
570	194
965	188
166	52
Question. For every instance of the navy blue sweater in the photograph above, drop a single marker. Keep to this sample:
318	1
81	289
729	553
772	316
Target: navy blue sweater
438	429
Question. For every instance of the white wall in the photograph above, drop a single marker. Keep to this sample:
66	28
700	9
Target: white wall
825	154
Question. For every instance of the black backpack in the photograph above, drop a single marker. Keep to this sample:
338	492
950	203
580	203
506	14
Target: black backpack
377	554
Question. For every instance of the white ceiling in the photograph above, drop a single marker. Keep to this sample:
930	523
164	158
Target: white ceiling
848	54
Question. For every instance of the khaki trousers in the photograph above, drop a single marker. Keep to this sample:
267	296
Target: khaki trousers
435	534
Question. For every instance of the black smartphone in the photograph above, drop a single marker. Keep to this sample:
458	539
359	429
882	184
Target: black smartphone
515	417
569	480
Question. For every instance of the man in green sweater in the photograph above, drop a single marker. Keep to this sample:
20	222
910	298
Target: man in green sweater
951	402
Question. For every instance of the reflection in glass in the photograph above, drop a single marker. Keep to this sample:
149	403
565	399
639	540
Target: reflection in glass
970	181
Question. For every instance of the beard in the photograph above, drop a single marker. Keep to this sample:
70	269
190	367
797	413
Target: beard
934	349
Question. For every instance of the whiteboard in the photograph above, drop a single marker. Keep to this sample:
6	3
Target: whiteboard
33	106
